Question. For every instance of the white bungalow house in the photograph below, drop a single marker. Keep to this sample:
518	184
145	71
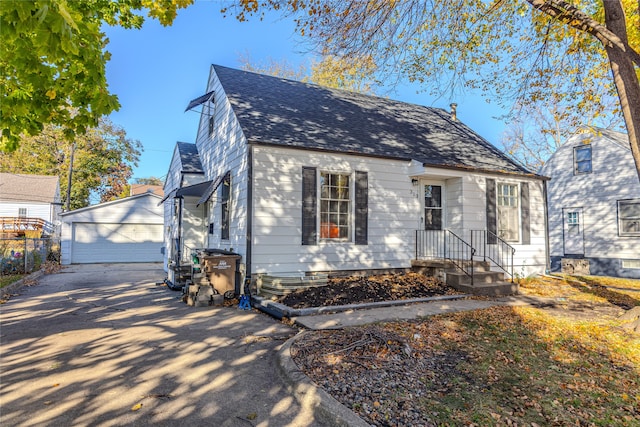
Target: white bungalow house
594	205
29	203
298	179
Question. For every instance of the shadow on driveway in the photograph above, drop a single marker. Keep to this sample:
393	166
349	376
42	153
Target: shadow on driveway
102	345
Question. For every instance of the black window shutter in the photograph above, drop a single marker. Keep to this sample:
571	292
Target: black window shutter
524	212
362	208
309	206
492	216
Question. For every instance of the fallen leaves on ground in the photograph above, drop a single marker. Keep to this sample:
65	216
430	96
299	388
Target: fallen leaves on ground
361	289
498	366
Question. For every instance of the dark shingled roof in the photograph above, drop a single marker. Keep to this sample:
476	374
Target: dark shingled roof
189	158
283	112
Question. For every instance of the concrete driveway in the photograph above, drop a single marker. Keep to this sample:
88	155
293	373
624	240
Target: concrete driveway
102	345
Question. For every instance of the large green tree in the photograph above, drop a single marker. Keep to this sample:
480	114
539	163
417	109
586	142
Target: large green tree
516	52
103	159
53	57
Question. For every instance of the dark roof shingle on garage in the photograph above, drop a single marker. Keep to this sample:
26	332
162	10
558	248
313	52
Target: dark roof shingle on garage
283	112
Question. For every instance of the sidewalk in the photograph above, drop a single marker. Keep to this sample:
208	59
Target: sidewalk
407	311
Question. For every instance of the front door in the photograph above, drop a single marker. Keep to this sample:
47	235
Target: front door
573	231
432	219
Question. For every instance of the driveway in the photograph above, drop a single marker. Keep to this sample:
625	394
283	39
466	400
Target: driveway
103	345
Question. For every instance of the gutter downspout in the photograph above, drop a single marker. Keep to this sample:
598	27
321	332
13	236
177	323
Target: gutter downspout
546	231
249	240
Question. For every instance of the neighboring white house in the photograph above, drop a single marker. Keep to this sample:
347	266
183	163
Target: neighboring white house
299	178
27	197
124	230
594	203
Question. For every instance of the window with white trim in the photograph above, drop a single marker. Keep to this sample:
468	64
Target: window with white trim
22	212
335	206
582	159
508	212
573	223
629	217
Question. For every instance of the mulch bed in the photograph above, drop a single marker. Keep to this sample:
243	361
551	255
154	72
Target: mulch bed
354	290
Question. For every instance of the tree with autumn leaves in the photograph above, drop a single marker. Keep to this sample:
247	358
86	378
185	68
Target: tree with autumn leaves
103	161
527	53
516	52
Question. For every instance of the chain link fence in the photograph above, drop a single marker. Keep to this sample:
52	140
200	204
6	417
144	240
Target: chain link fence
26	255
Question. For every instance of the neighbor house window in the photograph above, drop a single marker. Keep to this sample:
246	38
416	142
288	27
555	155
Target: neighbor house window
508	212
631	263
22	212
582	159
629	217
335	206
573	222
226	206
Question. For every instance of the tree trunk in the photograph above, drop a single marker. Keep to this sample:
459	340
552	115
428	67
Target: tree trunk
624	76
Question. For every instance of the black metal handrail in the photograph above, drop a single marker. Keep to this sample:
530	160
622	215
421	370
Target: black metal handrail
445	244
459	252
490	246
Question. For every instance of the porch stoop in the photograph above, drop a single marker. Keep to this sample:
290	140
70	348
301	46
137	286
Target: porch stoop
485	281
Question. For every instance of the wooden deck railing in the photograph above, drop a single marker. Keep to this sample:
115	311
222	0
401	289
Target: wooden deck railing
18	224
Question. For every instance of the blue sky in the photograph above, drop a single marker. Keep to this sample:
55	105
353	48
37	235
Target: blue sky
156	71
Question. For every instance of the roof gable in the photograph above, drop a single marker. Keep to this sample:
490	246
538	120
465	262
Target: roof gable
29	188
283	112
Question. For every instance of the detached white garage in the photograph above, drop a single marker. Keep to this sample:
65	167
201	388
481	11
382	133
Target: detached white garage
125	230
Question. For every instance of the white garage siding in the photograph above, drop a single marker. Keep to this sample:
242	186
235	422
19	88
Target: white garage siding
125	230
94	242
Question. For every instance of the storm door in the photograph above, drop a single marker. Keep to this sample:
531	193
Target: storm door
573	231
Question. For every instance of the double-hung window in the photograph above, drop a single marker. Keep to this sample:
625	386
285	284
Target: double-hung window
508	212
22	212
582	159
225	197
335	206
629	217
573	223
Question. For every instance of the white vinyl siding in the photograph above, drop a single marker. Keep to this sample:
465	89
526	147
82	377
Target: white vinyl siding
125	230
32	210
393	212
616	179
224	150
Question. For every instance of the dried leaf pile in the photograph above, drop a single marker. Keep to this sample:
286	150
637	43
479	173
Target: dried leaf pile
352	290
499	366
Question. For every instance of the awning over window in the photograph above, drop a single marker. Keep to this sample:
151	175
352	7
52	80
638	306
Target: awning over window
212	188
199	100
196	190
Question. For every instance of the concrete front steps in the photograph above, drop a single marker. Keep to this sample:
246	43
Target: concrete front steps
486	282
276	286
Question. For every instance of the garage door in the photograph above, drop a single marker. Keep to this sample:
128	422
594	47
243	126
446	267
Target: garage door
98	243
